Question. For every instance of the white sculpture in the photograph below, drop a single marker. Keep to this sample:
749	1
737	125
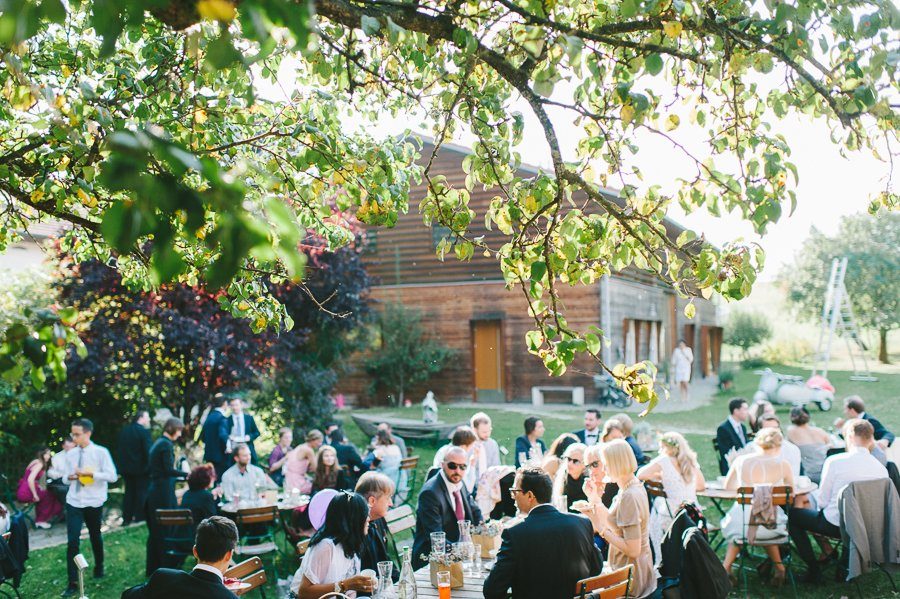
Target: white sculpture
429	409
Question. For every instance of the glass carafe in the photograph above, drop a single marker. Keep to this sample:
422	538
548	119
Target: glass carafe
406	587
465	531
385	589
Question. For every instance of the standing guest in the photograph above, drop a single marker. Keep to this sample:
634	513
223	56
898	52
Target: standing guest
570	480
789	452
465	438
442	503
347	455
89	470
489	452
199	497
31	489
377	490
590	434
612	430
530	445
214	544
215	435
731	434
56	473
550	463
331	428
628	429
244	480
756	412
279	455
682	364
855	408
625	526
856	464
545	555
300	461
161	494
241	427
677	469
329	472
332	562
133	464
812	441
398	441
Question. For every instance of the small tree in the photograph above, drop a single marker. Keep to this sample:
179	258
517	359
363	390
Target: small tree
407	355
746	329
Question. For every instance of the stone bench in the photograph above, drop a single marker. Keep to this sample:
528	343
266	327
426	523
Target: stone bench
537	394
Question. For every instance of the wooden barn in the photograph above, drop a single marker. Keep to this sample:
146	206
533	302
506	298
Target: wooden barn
468	307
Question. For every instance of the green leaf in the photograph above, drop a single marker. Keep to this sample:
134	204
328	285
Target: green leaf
653	63
538	270
593	343
370	25
221	52
690	311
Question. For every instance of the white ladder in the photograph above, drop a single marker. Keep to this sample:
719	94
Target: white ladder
837	317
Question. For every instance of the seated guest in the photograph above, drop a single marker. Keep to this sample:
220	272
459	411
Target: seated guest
731	434
570	480
332	562
677	469
597	485
329	473
764	466
627	428
31	489
300	461
789	451
463	437
279	454
377	490
554	457
214	544
545	555
590	434
347	456
56	471
755	413
530	445
856	464
199	497
488	449
244	480
612	430
855	408
812	441
397	439
385	458
442	502
624	526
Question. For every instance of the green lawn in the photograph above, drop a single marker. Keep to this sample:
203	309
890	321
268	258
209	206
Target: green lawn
126	549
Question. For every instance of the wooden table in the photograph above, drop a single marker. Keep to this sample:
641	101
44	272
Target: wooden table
281	504
473	586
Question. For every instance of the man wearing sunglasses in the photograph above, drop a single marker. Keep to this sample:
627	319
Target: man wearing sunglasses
442	503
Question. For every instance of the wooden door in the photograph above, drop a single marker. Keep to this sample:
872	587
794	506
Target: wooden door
487	360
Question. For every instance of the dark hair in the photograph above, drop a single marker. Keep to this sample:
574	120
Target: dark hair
463	435
531	424
769	417
219	400
382	437
39	455
855	403
173	425
138	415
68	438
201	477
215	537
593	411
735	404
337	436
799	415
345	521
861	429
85	424
562	443
537	481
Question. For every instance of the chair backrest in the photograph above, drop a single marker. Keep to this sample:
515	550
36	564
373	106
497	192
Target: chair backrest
400	519
255	580
781	495
410	463
302	547
257	515
612	582
176	517
245	568
655	488
616	591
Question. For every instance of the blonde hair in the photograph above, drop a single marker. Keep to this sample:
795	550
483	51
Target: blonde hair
618	457
627	423
612	424
593	453
374	484
559	483
479	418
676	447
768	438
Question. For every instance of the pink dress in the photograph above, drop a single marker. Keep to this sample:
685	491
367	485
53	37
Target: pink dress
48	507
295	474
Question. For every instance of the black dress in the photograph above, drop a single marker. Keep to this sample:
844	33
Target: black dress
160	495
574	490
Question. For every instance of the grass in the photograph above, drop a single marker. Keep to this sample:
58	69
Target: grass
125	550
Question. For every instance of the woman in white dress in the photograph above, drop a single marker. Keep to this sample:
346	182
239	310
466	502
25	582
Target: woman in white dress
682	361
764	466
387	459
677	469
332	562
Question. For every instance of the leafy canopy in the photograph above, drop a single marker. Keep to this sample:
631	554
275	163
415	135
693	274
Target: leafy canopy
136	121
746	329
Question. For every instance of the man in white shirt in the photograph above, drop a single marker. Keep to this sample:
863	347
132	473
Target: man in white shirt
789	452
590	434
490	450
88	470
244	478
857	464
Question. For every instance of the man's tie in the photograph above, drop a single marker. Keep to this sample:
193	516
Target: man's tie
457	499
239	422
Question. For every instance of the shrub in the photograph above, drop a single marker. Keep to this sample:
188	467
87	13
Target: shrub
745	330
791	351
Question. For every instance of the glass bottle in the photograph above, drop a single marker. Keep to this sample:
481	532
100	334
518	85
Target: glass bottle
406	587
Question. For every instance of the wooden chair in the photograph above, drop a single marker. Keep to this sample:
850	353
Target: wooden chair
256	530
655	489
410	466
178	532
399	520
608	586
250	571
781	497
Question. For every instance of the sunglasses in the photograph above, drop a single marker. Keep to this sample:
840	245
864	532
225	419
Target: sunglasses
455	466
574	461
593	464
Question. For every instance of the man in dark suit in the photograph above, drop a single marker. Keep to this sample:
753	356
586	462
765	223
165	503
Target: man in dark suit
731	434
240	427
590	434
546	555
442	503
132	462
161	494
214	544
214	438
347	456
855	408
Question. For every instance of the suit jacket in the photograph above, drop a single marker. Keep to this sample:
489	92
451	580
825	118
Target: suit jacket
880	431
544	557
163	474
728	439
249	429
582	435
213	441
435	514
375	548
166	583
349	458
134	450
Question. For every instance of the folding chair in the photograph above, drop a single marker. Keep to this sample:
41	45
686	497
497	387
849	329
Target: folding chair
781	497
256	529
410	466
655	489
11	591
608	586
178	532
250	571
8	495
399	519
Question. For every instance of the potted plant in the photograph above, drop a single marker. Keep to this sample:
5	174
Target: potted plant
726	380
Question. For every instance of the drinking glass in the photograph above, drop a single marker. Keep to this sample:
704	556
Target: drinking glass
236	498
465	530
385	588
438	542
443	583
465	549
476	559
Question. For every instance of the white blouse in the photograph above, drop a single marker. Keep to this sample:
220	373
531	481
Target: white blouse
325	563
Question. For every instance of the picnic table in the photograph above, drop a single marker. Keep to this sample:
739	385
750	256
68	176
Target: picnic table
282	503
473	586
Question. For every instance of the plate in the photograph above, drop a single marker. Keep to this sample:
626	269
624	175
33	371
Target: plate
238	586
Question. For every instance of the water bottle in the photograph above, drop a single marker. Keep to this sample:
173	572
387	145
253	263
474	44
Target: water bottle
406	587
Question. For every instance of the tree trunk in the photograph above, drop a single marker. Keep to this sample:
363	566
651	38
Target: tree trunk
882	346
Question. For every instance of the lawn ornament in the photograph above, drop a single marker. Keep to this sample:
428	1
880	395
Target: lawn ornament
429	409
792	390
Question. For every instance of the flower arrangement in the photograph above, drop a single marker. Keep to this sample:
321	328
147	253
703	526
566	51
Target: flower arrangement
488	528
443	559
